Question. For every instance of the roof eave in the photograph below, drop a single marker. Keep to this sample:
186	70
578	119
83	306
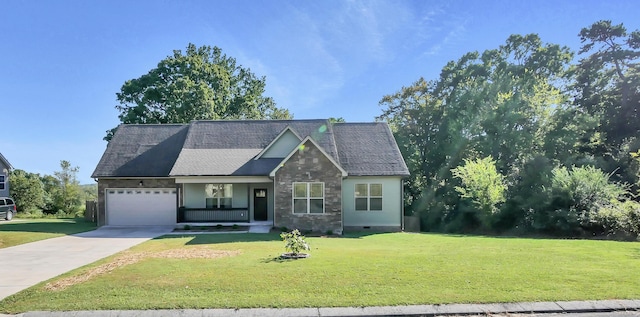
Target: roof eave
5	161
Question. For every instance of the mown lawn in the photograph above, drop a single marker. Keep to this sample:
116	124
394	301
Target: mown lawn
367	270
21	231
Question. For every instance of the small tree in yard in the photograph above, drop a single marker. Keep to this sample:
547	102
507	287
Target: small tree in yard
294	242
482	185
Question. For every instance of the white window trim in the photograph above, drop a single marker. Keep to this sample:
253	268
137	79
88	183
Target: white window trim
4	181
368	196
219	196
308	198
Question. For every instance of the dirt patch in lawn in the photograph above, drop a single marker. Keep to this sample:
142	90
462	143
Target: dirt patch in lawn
133	257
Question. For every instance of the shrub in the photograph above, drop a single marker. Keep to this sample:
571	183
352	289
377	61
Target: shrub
621	220
584	190
31	214
482	186
527	197
294	242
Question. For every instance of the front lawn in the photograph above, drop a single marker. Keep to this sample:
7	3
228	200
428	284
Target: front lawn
20	231
242	270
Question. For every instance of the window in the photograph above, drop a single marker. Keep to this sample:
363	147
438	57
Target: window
218	196
368	196
2	182
308	198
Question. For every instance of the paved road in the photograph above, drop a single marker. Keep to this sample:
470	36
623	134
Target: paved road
29	264
605	308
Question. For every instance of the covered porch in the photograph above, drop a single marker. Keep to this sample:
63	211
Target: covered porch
225	200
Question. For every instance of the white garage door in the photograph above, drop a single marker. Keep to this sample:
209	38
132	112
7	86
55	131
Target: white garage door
141	207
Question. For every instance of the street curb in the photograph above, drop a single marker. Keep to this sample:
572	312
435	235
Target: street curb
413	310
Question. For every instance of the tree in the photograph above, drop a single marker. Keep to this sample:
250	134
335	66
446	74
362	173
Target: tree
27	190
607	80
482	185
606	87
497	104
201	84
51	187
68	199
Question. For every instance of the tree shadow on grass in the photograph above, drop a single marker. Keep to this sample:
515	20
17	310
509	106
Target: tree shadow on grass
197	239
67	226
276	259
251	237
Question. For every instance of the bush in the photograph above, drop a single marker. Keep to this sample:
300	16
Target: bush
294	242
30	214
527	196
482	186
620	220
583	191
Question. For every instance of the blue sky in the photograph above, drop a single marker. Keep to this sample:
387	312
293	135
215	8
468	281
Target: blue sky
62	62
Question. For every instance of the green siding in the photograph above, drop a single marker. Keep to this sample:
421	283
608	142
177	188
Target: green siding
282	146
391	213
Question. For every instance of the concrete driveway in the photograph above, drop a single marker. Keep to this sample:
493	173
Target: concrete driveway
29	264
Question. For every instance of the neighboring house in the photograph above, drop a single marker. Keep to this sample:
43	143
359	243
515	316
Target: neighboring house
304	174
5	168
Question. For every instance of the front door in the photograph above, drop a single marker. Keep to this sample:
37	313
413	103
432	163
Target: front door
260	204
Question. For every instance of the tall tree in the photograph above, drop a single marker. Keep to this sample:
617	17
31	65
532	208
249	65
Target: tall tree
200	84
607	87
608	79
27	190
68	198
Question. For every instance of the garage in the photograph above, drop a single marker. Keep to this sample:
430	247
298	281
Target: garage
141	206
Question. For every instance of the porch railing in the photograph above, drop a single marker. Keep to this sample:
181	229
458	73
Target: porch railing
212	215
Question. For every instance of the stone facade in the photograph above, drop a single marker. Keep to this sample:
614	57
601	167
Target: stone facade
309	164
127	183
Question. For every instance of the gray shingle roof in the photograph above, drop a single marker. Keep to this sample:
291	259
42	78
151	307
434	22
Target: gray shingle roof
368	149
255	134
142	150
5	161
228	148
221	162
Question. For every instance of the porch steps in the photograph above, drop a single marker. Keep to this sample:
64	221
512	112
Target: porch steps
259	229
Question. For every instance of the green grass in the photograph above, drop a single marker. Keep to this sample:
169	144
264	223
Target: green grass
20	231
367	270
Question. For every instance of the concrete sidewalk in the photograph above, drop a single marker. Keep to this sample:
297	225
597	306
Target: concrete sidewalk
417	310
28	264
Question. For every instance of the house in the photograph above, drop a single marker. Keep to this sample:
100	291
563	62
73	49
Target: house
5	168
305	174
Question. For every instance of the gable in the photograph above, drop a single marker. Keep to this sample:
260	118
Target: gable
282	145
5	166
306	145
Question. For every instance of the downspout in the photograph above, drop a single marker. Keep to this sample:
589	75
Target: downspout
273	199
402	204
342	206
